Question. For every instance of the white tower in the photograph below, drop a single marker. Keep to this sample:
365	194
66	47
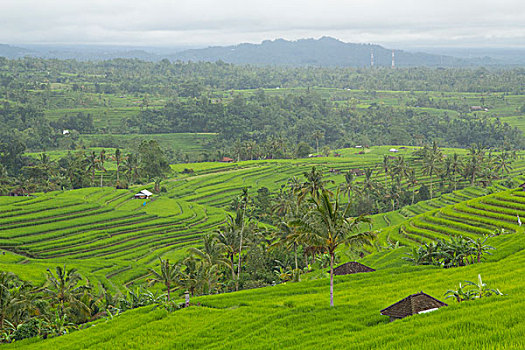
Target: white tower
371	58
393	60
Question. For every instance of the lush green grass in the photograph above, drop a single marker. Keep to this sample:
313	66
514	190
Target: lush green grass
297	315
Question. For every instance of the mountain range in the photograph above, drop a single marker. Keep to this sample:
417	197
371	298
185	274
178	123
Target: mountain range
324	52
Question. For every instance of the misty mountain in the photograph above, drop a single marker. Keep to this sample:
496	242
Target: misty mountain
326	52
9	51
322	52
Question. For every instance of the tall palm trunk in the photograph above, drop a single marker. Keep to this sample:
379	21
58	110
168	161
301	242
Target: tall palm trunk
431	181
233	266
295	254
118	172
331	279
240	247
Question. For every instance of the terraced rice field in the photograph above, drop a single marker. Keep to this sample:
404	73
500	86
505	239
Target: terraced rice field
101	224
472	218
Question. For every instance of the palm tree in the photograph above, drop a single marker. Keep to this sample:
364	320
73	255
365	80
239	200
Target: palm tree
348	186
92	165
118	159
63	289
228	236
369	185
212	251
169	275
431	162
328	225
456	166
317	135
412	181
101	161
243	203
313	185
503	163
132	167
386	168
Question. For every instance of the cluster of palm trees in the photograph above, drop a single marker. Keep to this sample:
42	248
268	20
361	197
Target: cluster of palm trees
58	306
458	251
401	180
314	223
74	171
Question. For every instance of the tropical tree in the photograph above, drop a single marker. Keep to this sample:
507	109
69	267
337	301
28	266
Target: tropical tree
118	159
386	167
317	135
64	289
100	165
91	160
456	166
479	248
431	162
169	275
412	182
132	168
313	185
228	237
328	225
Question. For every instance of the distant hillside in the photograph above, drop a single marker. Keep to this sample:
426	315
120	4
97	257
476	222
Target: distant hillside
322	52
325	52
12	52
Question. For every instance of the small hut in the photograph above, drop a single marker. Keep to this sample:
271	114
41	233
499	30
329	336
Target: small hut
144	194
419	303
226	160
350	268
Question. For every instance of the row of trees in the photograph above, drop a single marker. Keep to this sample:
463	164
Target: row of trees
79	169
395	182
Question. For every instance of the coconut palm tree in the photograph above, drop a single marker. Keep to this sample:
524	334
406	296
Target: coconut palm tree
131	166
228	236
63	289
456	166
100	165
431	162
169	275
328	225
386	168
412	182
503	164
212	251
92	165
317	135
313	185
118	159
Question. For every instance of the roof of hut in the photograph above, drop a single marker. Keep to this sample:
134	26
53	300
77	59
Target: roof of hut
351	267
413	304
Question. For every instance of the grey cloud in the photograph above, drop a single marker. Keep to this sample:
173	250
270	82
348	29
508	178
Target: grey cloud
207	22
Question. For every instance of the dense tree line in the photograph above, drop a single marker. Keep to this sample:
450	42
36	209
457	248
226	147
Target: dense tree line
192	79
22	175
311	118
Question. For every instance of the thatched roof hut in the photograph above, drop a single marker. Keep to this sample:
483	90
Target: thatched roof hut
350	268
418	303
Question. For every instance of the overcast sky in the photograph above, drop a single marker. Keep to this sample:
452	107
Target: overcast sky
400	23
